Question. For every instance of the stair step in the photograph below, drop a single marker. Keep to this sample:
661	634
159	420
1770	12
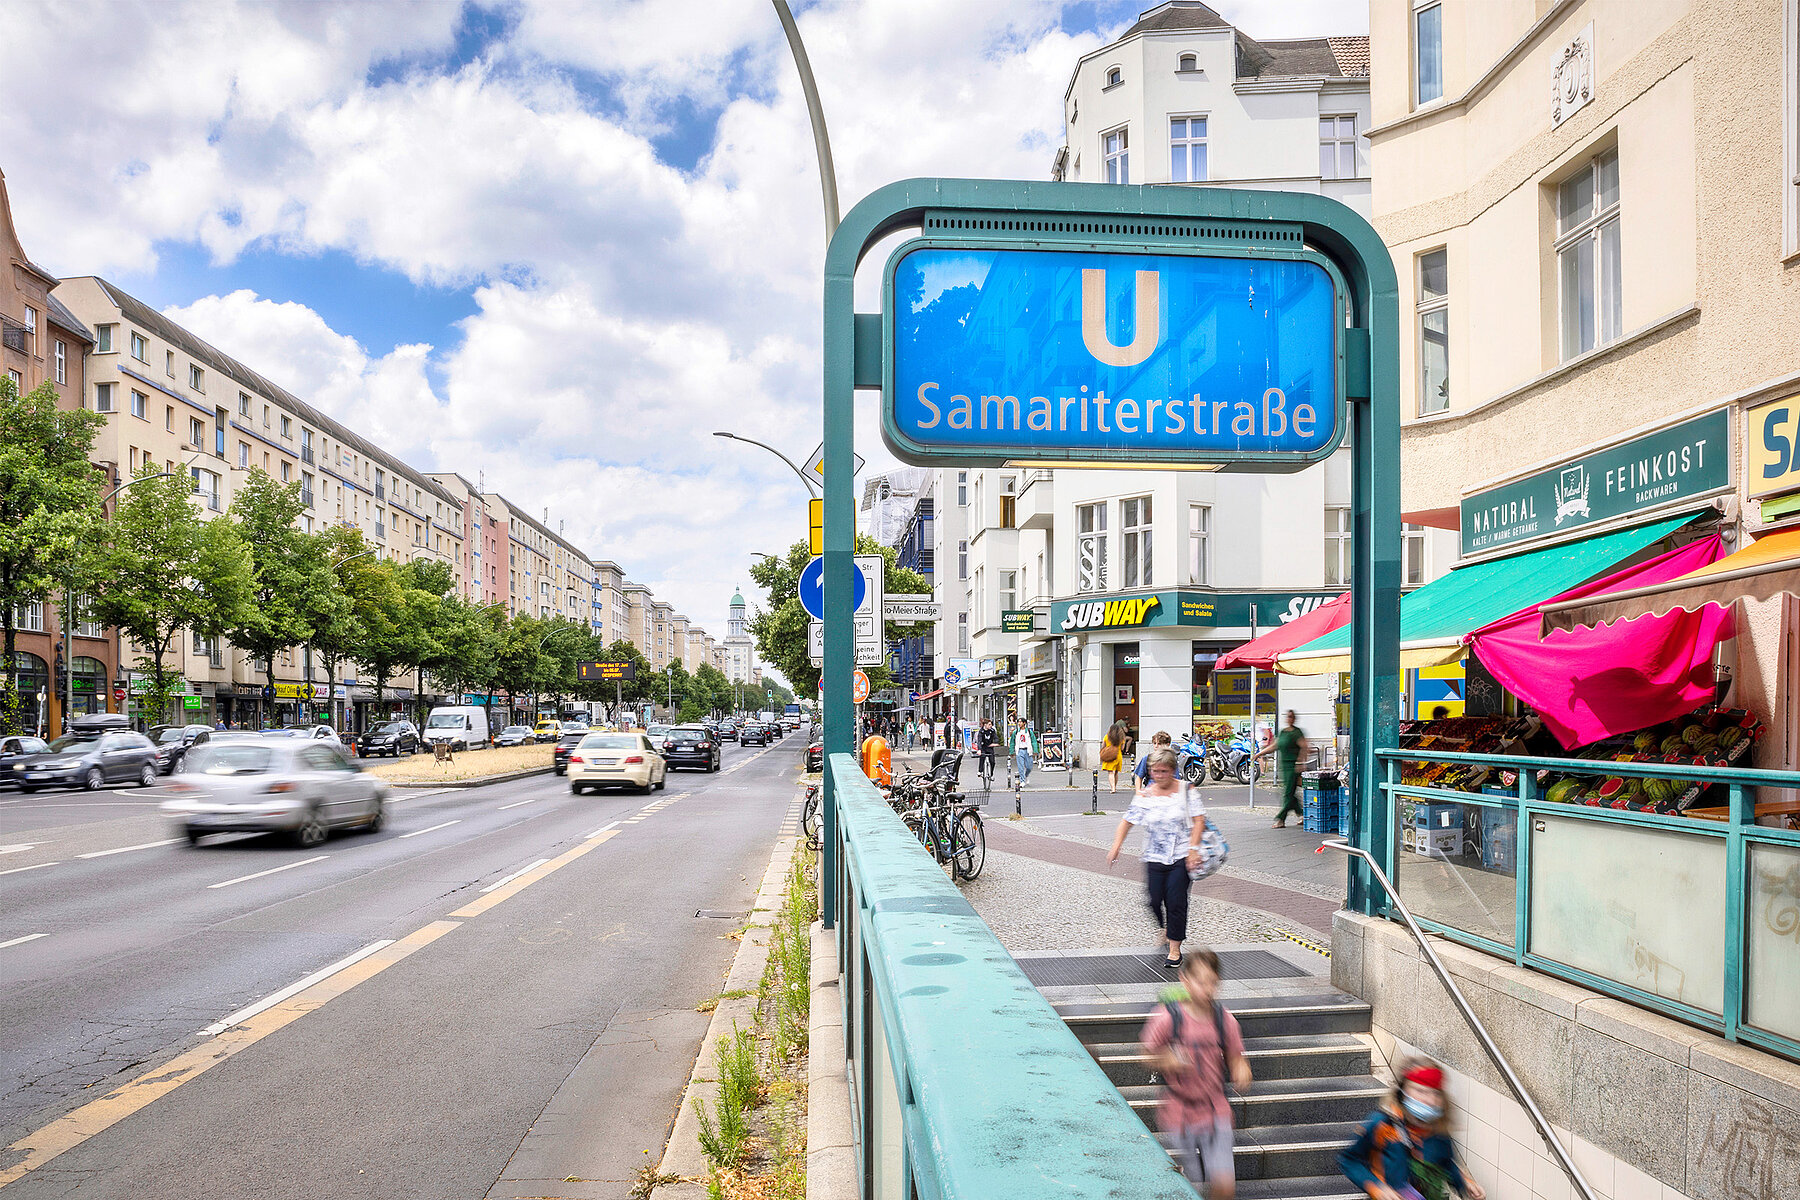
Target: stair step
1328	1013
1277	1102
1312	1187
1289	1152
1299	1056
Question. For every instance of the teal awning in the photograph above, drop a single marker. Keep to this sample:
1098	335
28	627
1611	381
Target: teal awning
1435	618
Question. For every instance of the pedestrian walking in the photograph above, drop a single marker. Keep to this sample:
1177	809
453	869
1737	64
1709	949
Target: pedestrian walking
1198	1048
1142	770
1173	818
1404	1151
1114	750
1287	748
912	734
1024	752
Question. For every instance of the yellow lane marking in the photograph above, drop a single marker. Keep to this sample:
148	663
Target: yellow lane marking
476	907
96	1116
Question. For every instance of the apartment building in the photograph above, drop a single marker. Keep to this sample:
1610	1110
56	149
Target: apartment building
485	543
915	550
547	575
611	616
41	341
659	625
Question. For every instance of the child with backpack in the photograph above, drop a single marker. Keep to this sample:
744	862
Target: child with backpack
1198	1049
1404	1151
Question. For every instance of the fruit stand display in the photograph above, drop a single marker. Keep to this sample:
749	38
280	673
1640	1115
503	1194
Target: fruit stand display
1713	737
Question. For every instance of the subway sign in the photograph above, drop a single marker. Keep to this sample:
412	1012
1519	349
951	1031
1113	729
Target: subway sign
1230	610
1016	354
1108	614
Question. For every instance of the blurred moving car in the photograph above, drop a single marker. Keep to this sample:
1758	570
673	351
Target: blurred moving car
570	739
656	733
616	759
757	733
99	749
815	756
392	738
172	743
728	731
514	735
15	747
692	746
547	730
295	786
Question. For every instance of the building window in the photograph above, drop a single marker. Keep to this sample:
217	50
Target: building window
196	378
1114	77
196	431
243	456
287	471
1090	534
1187	62
1134	536
62	362
18	380
140	349
962	489
1187	149
1415	554
243	404
1434	331
265	416
169	363
1587	255
31	322
1428	52
169	417
1199	544
103	336
962	560
206	486
1009	590
1009	501
1115	149
1337	547
140	404
287	428
103	397
1337	148
86	629
962	633
28	617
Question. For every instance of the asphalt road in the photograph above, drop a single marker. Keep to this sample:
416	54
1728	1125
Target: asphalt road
496	1039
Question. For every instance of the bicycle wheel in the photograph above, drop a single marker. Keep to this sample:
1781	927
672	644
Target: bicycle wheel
809	818
942	844
969	848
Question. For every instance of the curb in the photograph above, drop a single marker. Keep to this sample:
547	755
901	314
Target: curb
830	1132
469	783
682	1156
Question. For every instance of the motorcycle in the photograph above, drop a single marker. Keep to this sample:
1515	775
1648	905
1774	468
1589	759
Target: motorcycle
1240	759
1197	757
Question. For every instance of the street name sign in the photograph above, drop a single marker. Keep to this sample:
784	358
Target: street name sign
901	608
1008	354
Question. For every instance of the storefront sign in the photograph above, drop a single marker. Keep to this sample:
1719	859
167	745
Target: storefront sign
1220	609
1039	658
1109	614
1772	455
191	702
1681	463
1017	620
294	691
1232	693
1176	357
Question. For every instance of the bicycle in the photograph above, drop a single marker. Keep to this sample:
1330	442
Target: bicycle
809	816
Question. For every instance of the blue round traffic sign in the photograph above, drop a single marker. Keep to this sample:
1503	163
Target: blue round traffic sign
812	588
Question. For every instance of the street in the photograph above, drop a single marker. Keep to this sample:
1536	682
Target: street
537	1023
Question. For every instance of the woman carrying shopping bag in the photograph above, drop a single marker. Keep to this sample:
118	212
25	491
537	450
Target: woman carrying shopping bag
1173	819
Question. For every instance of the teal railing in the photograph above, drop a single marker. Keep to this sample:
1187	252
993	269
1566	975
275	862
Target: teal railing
966	1085
1697	919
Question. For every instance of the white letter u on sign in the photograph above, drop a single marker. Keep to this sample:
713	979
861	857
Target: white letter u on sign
1146	330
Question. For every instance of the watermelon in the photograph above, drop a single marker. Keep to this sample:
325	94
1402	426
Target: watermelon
1644	742
1610	787
1692	734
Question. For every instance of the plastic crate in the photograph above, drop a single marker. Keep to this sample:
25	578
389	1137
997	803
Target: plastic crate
1500	846
1438	816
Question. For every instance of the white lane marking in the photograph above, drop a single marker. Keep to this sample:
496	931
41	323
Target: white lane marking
609	825
433	829
33	867
18	846
525	870
128	849
517	803
30	937
271	1000
419	795
272	870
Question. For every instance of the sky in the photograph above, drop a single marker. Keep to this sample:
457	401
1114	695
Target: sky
549	243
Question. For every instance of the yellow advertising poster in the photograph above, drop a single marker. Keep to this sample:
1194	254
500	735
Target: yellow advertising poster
1772	449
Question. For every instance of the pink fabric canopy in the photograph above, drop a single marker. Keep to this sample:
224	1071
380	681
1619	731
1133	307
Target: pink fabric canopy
1588	684
1261	652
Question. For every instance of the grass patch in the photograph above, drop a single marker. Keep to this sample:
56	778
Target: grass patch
469	764
712	1002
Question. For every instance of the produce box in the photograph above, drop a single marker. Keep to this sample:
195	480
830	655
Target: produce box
1438	843
1438	816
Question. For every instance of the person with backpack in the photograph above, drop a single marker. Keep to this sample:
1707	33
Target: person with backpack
1174	820
1199	1049
1142	771
1404	1151
1024	751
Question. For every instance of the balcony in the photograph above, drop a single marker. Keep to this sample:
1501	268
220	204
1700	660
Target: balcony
13	337
1037	502
306	497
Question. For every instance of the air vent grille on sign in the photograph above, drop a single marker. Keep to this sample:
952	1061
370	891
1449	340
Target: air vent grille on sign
1159	228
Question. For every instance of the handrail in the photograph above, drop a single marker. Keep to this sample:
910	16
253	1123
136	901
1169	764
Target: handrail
1603	766
1462	1005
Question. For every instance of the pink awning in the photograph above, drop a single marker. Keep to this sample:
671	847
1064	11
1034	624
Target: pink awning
1261	652
1588	684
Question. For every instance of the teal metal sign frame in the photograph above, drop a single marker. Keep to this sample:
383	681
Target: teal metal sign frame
1141	218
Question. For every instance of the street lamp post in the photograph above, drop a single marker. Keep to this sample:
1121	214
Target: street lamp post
811	494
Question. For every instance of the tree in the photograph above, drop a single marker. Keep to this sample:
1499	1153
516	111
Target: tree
166	571
287	569
394	622
49	502
337	629
711	686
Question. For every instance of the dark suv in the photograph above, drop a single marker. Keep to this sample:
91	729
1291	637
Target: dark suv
691	746
14	747
173	742
393	739
728	732
98	750
753	733
570	739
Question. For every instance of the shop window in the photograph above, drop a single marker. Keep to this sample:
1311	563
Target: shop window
1337	547
1090	547
1434	331
1199	544
1587	255
1134	537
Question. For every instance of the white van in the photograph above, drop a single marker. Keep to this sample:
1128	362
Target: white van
461	725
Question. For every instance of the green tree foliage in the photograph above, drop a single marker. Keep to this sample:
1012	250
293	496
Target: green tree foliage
333	613
287	569
166	571
713	689
780	629
49	503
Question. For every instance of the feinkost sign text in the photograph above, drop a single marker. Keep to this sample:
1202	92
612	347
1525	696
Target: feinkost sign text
1160	357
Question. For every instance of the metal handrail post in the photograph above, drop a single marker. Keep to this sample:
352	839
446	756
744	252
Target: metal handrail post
1462	1006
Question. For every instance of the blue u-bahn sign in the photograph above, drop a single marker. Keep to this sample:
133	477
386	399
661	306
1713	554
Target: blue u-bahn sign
1024	354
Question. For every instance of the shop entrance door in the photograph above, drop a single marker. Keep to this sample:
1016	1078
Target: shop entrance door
1125	686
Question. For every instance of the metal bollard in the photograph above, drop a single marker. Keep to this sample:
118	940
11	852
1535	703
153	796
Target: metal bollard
1019	799
1094	803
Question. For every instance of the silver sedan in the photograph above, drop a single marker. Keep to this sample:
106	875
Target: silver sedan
304	789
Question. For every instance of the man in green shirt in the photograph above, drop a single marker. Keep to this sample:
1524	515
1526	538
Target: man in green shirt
1290	745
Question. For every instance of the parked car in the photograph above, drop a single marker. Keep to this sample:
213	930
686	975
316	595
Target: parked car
392	739
815	756
616	759
299	787
760	734
514	735
172	743
98	749
16	747
547	730
692	746
564	744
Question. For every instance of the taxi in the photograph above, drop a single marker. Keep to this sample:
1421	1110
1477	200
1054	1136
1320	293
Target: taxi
547	730
616	760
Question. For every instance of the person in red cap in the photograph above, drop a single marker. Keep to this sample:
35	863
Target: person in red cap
1404	1151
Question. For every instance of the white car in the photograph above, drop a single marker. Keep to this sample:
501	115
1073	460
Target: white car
290	785
616	759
